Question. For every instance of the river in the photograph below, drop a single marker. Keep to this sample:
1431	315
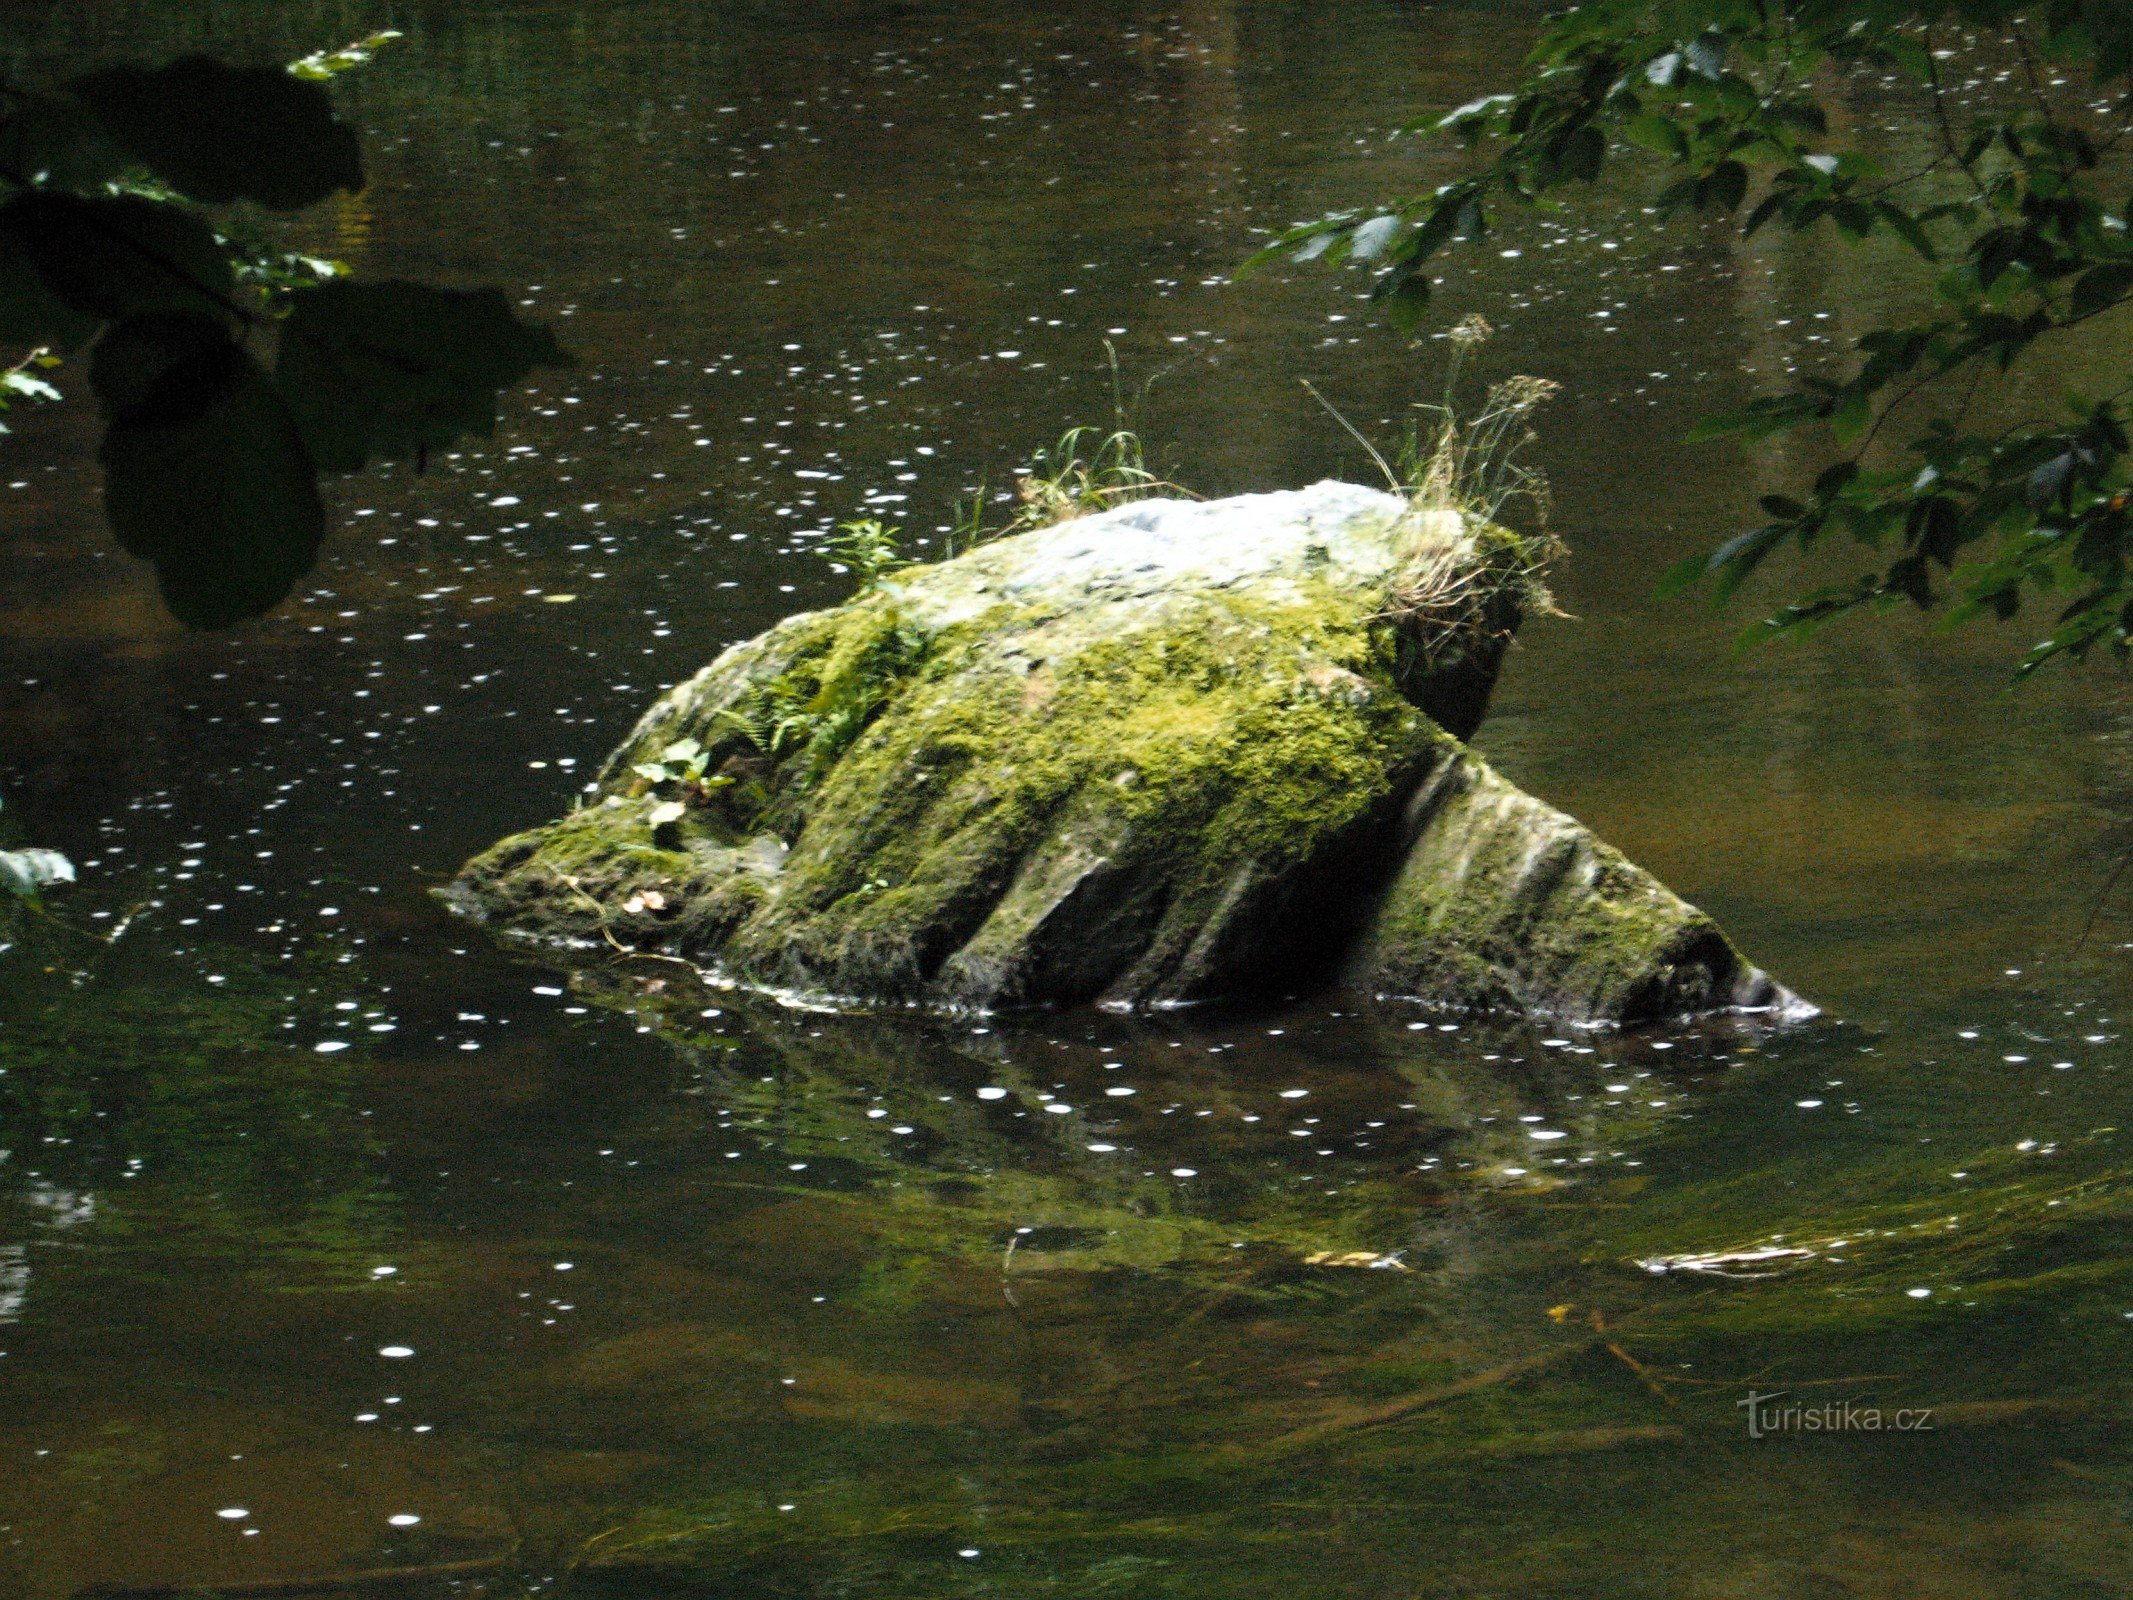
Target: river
335	1241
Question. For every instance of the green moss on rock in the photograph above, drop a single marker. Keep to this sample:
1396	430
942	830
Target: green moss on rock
1504	903
1137	758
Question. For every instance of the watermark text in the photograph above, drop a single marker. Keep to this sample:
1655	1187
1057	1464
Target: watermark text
1780	1412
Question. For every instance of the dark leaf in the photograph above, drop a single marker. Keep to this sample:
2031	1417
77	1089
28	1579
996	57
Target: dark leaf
1834	479
49	141
1911	578
1736	560
1407	304
218	133
1936	526
1724	186
204	474
1769	207
1438	226
397	369
1855	217
1582	153
1803	115
1996	252
1777	505
30	313
2102	286
1681	192
120	257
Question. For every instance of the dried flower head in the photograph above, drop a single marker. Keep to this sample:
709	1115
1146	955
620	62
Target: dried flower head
1471	330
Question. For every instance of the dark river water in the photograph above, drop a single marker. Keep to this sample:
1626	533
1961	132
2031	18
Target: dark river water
334	1241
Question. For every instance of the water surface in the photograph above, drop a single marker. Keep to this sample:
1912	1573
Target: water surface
704	1298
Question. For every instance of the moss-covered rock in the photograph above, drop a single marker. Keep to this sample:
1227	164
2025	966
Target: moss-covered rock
1142	758
1504	903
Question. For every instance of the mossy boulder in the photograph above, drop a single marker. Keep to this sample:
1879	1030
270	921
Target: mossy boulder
1503	903
1156	755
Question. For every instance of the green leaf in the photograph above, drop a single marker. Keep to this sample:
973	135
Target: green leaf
1850	418
652	771
204	474
1408	304
1657	132
1680	577
218	133
395	369
116	257
1908	55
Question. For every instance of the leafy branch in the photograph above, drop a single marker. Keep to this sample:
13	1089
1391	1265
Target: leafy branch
2009	218
229	373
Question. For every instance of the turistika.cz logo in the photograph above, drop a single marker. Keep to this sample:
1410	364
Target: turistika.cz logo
1771	1414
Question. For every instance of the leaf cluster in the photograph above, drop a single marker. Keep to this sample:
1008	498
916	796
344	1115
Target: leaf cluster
229	374
2011	215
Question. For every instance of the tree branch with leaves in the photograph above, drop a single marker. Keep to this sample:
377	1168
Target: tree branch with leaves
229	374
2016	216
